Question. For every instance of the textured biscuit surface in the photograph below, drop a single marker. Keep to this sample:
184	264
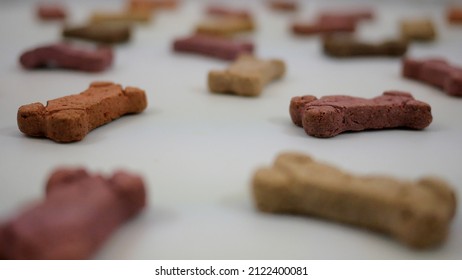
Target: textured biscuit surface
109	33
418	29
212	46
346	46
68	56
71	118
332	115
78	215
436	72
416	213
246	76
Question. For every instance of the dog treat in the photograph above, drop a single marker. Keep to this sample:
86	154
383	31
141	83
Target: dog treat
416	213
224	26
51	12
152	5
354	15
332	115
283	5
127	17
436	72
418	29
108	33
341	45
222	11
454	15
246	76
212	46
78	215
63	55
324	27
71	118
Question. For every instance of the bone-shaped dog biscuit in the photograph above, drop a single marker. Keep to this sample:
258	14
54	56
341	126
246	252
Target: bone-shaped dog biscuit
416	213
418	29
436	72
246	76
332	115
72	117
78	215
341	45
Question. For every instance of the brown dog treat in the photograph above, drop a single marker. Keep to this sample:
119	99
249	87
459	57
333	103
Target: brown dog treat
108	33
353	15
324	27
224	26
222	11
332	115
63	55
454	15
283	5
71	118
51	12
152	5
416	213
341	45
418	29
436	72
246	76
79	214
212	46
127	17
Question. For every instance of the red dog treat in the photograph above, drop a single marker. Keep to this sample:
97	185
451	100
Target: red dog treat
436	72
78	215
322	27
454	15
71	118
213	46
51	12
354	15
68	56
283	5
332	115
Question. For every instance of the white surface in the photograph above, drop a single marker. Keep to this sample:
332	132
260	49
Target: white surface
197	151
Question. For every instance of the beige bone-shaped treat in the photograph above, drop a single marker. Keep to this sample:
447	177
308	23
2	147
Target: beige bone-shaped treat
71	118
419	29
416	213
246	76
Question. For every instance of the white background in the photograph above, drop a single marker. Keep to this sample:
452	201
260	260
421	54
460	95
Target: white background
197	151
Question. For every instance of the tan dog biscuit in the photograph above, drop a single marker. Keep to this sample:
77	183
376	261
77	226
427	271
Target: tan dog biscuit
129	16
341	45
246	76
71	118
224	26
152	5
418	29
109	33
416	213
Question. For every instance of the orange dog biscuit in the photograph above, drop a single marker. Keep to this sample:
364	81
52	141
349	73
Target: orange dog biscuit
71	118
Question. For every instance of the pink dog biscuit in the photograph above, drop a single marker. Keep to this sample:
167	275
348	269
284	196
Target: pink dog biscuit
283	5
228	12
436	72
213	46
246	76
51	12
63	55
332	115
322	27
354	15
71	118
78	215
417	213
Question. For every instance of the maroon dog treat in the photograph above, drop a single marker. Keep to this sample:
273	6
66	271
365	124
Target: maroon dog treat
51	12
283	5
332	115
436	72
213	46
322	27
68	56
78	215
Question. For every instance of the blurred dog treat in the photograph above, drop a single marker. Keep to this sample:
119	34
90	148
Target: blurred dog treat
417	213
283	5
80	212
418	29
109	33
223	26
323	27
435	72
223	11
127	17
68	56
246	76
152	5
332	115
352	14
51	11
342	45
71	118
454	15
212	46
